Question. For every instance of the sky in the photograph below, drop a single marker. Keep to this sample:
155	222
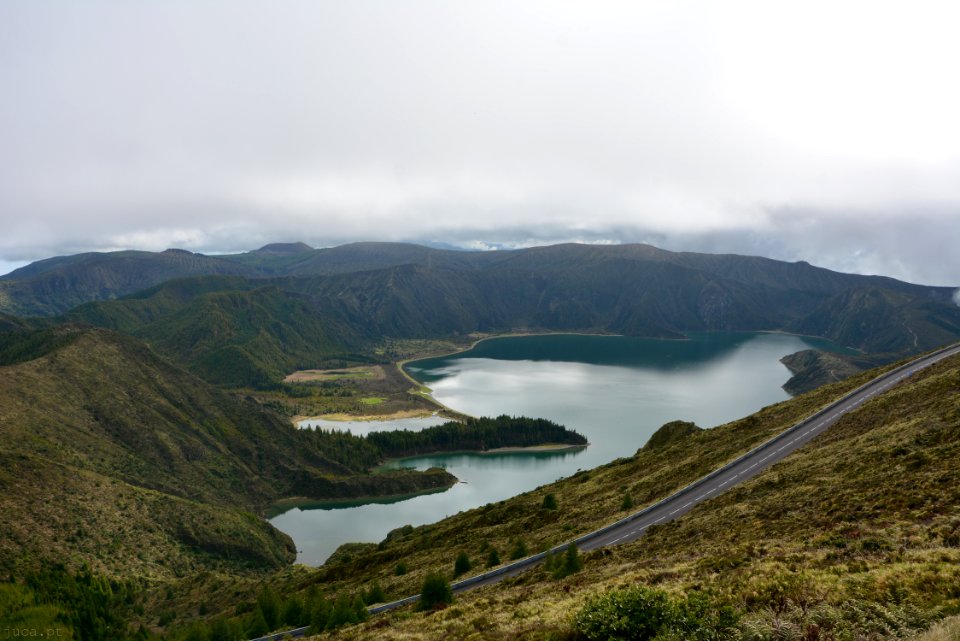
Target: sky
819	131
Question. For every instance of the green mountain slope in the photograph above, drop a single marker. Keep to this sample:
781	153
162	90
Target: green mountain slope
52	286
229	330
184	466
883	321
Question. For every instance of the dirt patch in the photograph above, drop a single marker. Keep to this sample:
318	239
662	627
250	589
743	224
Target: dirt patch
363	372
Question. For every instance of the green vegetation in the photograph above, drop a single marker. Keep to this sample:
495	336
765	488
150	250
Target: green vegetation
670	433
568	563
549	502
435	593
462	565
116	458
518	549
230	331
20	347
53	602
812	368
475	434
641	614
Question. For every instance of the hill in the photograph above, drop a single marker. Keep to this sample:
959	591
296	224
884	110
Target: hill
341	303
55	285
855	536
229	330
118	459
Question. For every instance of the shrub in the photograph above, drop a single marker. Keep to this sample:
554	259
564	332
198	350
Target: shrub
549	502
462	565
436	592
375	595
641	613
518	550
563	566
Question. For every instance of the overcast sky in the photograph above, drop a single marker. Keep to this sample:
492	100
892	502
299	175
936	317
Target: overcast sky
821	131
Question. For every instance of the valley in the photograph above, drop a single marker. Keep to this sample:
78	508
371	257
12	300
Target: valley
147	403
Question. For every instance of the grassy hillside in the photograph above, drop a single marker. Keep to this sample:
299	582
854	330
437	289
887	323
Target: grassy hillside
853	537
117	458
52	286
230	331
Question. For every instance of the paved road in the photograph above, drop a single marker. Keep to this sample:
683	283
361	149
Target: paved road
682	501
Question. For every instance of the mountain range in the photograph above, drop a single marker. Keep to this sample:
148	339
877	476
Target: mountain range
138	445
249	318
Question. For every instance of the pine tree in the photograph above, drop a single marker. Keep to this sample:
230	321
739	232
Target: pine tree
257	627
320	611
292	611
519	549
375	595
344	612
571	560
493	558
269	604
436	592
462	564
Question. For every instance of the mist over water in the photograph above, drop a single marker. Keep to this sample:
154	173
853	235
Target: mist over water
615	390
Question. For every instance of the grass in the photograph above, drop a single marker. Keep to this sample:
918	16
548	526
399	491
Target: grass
946	630
350	373
372	400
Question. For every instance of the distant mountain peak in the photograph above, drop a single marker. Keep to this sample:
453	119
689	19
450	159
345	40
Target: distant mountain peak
285	248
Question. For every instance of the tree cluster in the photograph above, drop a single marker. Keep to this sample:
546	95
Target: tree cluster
478	434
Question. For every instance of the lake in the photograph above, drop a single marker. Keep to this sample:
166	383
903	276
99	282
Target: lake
615	390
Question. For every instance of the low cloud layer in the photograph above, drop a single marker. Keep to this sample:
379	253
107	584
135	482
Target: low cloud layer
695	126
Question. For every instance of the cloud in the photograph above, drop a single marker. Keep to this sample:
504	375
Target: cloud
678	123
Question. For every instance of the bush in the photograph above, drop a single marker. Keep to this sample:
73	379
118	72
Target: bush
436	592
518	550
641	613
462	565
375	595
493	558
549	502
563	566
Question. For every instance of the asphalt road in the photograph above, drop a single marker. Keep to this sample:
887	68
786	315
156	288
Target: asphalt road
682	501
